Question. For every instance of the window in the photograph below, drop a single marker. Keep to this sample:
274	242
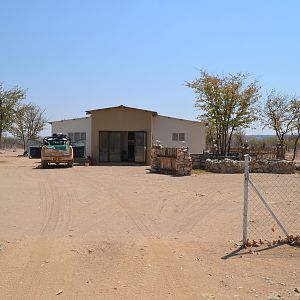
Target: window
76	137
174	136
178	137
83	136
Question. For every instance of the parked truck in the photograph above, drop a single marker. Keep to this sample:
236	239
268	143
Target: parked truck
57	149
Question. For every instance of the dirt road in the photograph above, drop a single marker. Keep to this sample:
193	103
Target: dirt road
123	233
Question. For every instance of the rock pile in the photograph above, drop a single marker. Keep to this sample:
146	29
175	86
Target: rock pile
256	166
224	166
176	161
156	152
184	163
276	167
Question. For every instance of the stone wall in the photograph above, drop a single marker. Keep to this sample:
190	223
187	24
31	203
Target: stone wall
224	166
176	161
156	152
256	166
184	163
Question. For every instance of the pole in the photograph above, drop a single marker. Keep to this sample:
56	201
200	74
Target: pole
245	213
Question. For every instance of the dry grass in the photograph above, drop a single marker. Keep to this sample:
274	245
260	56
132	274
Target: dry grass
200	171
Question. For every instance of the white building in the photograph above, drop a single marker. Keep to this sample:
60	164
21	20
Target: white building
79	130
126	134
174	132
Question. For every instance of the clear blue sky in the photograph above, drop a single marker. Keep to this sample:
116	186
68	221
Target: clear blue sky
78	55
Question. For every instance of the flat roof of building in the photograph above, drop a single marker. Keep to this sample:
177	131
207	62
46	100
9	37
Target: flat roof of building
69	119
186	120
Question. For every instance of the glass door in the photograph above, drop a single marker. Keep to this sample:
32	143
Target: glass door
103	146
114	146
117	146
140	147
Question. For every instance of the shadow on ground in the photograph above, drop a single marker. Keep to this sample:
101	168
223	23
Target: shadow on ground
53	166
240	251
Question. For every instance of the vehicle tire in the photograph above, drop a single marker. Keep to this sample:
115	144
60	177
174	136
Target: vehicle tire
44	164
70	163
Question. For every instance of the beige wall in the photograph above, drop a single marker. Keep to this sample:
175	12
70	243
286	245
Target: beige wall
195	133
120	119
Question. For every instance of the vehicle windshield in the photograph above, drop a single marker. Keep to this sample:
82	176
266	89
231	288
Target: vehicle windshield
57	142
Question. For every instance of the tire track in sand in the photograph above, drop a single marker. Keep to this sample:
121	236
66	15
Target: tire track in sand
174	281
53	206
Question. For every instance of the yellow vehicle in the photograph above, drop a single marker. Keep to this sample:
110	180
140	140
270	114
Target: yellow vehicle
57	149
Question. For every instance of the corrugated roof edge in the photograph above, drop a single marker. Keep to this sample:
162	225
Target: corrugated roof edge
68	119
119	106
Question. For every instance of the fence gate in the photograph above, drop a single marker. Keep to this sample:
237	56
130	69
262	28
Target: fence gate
271	206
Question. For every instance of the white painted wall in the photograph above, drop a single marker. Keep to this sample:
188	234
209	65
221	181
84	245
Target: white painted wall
162	129
195	133
75	125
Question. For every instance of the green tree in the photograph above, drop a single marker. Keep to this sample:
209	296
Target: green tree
228	102
9	100
29	121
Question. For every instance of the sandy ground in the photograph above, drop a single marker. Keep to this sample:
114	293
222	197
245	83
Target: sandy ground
123	233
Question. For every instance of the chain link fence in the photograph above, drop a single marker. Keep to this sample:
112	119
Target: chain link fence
271	207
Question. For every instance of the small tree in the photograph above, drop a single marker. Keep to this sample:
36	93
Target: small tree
9	100
18	129
296	124
36	121
279	114
30	120
228	102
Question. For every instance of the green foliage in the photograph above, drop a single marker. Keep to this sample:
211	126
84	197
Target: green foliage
9	101
24	121
226	102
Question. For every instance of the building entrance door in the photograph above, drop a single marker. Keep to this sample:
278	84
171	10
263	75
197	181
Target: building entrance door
122	146
140	147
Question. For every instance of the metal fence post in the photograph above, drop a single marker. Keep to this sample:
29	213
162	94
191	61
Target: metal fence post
245	213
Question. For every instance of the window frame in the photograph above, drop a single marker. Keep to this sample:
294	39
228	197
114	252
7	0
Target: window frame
83	134
175	136
181	136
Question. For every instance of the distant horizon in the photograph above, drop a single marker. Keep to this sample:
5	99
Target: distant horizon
246	135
